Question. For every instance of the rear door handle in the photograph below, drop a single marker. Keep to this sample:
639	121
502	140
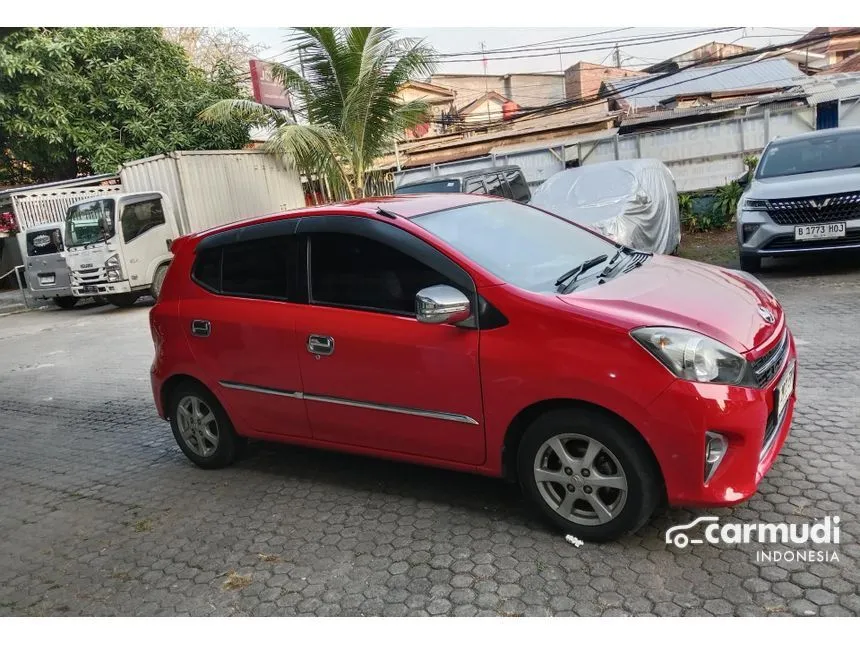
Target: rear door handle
201	328
320	345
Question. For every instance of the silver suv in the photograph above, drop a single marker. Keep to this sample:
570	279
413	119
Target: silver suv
804	197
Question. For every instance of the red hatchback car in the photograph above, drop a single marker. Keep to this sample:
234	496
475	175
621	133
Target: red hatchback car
483	335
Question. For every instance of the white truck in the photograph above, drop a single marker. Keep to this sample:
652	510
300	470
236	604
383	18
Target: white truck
118	245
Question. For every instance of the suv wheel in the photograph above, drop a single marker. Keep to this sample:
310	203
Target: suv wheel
588	473
750	263
201	427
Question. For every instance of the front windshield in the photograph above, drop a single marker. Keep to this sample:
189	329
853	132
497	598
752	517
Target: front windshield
441	186
521	245
816	154
89	222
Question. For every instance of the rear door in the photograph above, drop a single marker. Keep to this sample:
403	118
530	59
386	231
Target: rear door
240	320
46	266
373	375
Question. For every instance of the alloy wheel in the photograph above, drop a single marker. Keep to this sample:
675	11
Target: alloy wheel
580	479
197	425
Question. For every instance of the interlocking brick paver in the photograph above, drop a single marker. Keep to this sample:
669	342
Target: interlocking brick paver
102	514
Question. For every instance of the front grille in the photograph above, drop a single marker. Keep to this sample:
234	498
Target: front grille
788	242
815	209
90	276
766	366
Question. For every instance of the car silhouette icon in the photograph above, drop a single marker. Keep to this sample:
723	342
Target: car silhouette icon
675	535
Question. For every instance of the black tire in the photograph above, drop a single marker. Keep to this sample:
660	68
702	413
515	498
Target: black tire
229	443
157	282
644	485
750	263
66	302
122	299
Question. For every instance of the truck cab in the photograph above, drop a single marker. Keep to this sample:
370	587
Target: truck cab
45	269
118	246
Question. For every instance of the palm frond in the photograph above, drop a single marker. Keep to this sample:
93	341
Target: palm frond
230	110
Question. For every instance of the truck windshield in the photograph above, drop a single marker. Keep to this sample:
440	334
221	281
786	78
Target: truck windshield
524	246
44	242
816	154
90	222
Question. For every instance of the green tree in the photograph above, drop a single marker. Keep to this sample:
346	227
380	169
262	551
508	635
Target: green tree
81	100
346	82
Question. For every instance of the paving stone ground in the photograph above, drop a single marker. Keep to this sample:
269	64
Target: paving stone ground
100	513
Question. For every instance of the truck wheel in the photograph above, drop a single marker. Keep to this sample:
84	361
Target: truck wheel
122	299
589	473
157	282
201	427
65	302
750	263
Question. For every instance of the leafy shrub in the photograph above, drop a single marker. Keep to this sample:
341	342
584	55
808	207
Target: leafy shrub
726	204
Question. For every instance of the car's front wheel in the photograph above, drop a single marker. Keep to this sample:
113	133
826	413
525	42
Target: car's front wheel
589	473
201	427
122	299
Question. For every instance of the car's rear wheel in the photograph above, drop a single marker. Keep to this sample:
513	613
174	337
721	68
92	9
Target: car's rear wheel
122	299
750	263
589	473
66	302
201	427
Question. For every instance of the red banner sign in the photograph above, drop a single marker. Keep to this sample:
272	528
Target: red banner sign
267	90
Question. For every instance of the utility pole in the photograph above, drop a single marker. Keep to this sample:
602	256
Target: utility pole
486	82
617	56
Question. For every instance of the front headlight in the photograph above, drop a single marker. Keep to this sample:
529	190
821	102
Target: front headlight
748	204
113	275
694	357
112	262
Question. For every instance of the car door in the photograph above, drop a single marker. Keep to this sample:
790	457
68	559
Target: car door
373	375
46	267
240	321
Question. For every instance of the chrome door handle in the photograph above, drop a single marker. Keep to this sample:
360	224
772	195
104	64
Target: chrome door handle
320	345
201	328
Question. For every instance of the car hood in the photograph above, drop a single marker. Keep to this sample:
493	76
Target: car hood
668	291
810	184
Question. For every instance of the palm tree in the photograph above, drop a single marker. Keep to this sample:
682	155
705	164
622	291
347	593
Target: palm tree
348	90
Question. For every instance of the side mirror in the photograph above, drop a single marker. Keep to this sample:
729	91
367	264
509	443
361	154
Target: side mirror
744	180
442	304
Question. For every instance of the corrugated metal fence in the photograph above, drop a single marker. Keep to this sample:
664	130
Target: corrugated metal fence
700	156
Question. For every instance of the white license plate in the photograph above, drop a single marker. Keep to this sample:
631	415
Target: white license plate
45	280
784	389
819	231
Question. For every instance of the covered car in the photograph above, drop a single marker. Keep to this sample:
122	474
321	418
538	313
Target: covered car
633	202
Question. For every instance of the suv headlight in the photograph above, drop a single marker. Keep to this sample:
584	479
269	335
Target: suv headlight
112	262
694	357
748	204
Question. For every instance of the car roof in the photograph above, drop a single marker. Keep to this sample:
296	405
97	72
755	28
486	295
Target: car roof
405	206
818	134
461	175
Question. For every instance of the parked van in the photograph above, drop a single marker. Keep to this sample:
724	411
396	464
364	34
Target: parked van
502	181
45	269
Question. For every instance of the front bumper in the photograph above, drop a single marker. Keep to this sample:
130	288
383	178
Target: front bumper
686	411
100	288
774	240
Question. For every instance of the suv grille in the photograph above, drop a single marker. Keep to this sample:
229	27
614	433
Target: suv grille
765	367
811	210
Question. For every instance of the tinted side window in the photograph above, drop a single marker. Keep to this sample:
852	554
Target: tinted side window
138	218
519	187
354	271
494	186
476	187
207	269
262	268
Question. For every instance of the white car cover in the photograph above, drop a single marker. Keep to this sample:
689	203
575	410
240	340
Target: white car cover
633	202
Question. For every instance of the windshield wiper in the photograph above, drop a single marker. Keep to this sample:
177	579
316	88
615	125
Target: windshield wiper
611	265
578	270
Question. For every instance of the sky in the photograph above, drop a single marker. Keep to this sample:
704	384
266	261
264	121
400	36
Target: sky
449	39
